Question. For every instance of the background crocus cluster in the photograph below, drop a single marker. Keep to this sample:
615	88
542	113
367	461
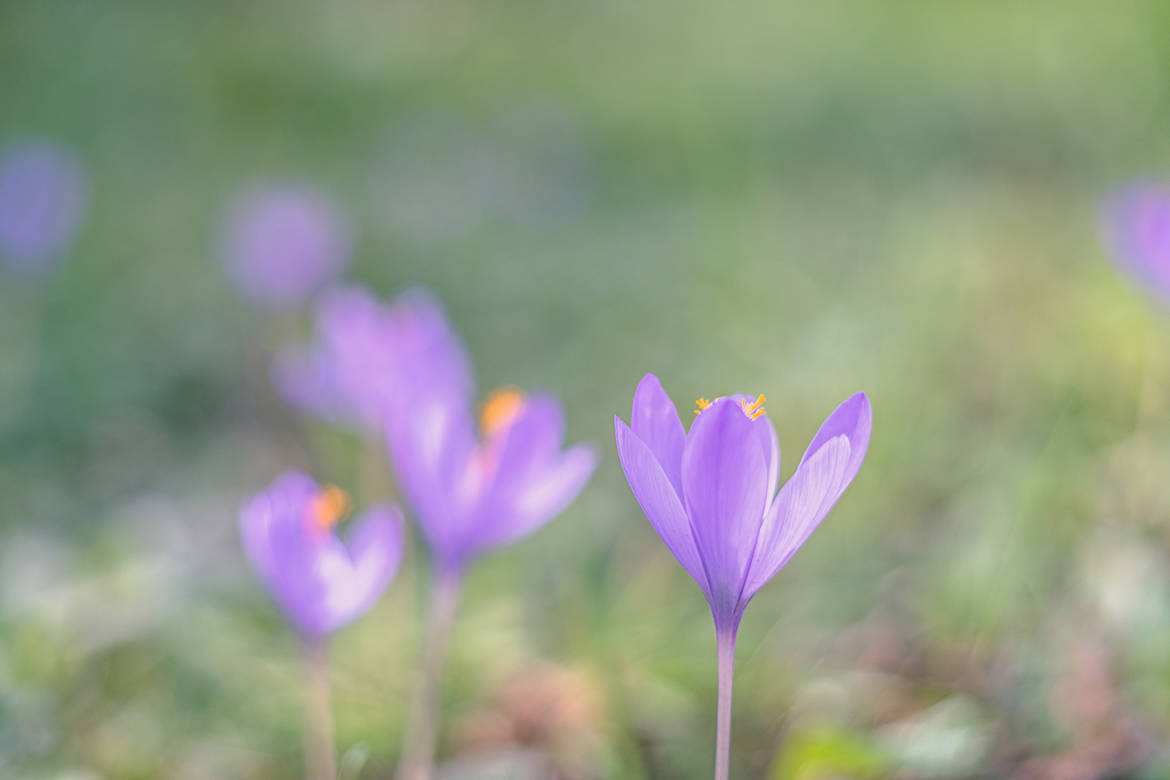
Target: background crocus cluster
954	207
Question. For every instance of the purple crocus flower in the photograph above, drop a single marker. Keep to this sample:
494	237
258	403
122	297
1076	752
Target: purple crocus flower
367	356
1136	228
474	490
474	485
44	194
319	581
710	493
282	243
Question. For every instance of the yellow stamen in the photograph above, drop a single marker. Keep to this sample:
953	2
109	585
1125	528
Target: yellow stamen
702	403
756	410
501	410
328	506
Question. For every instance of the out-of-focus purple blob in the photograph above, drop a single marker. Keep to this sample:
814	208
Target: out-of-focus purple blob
282	243
44	194
320	580
369	357
1136	230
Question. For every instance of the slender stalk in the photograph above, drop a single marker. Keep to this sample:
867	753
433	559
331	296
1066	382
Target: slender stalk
422	731
725	644
319	760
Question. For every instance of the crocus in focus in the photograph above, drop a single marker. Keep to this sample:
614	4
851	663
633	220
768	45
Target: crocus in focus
43	198
282	243
368	356
320	581
710	493
1136	230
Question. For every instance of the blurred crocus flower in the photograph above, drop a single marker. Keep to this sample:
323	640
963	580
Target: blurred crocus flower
710	493
368	356
1136	230
475	485
44	194
478	485
282	243
320	581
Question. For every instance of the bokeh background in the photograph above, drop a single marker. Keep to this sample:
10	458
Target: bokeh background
798	199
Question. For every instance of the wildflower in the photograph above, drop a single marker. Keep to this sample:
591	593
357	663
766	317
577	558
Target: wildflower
473	488
43	198
367	355
319	581
710	493
282	243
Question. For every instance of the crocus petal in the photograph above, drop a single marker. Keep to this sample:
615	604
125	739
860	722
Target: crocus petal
530	443
374	550
659	501
827	468
542	498
802	504
725	479
654	420
852	419
770	443
433	449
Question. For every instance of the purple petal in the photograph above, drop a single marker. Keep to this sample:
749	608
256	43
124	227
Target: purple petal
725	480
654	420
826	470
659	501
1136	229
434	453
530	443
543	496
852	419
374	550
309	572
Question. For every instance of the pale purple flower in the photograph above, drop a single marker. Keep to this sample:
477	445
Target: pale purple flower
475	488
710	493
319	580
44	194
282	243
1136	230
368	356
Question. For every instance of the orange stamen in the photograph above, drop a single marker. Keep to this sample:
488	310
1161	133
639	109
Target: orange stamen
500	410
702	403
756	410
328	506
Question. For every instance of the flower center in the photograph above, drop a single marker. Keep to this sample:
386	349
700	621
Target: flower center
500	410
754	409
327	507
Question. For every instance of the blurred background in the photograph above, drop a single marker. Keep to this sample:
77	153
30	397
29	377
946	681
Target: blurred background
798	199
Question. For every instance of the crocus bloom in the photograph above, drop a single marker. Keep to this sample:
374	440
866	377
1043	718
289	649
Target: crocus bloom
474	490
43	198
474	487
710	493
367	355
282	243
320	581
1136	229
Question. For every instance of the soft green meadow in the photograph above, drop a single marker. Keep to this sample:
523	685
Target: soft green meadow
803	200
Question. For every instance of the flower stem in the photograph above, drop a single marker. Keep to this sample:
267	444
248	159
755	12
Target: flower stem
319	761
725	644
422	731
